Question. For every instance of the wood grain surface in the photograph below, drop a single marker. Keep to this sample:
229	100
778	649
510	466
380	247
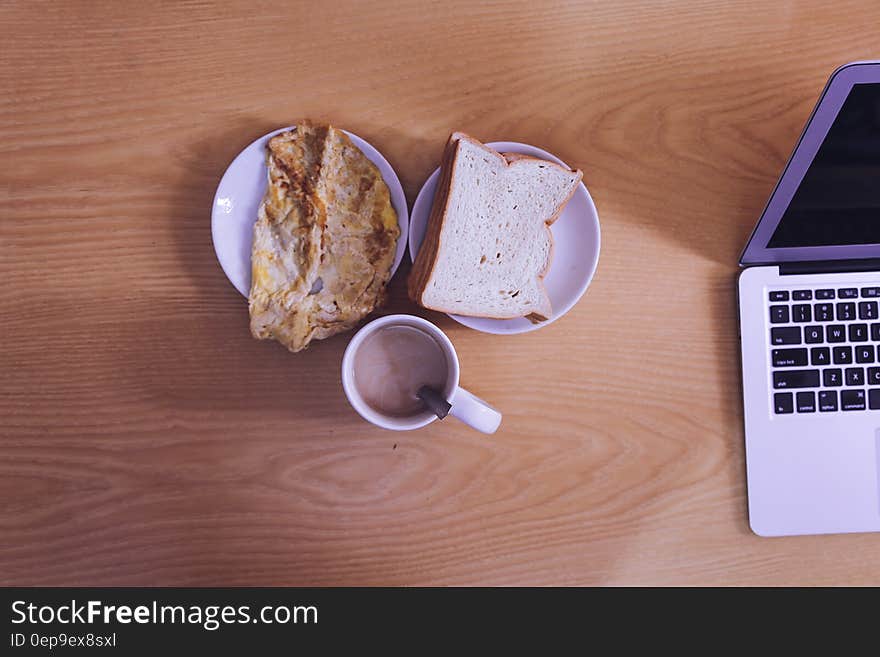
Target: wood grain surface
147	439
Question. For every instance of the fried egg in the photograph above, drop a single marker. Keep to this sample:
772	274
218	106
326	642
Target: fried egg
324	240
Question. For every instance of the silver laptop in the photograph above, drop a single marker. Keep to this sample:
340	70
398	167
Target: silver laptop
810	324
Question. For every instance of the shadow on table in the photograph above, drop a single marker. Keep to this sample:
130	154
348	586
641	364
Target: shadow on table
728	372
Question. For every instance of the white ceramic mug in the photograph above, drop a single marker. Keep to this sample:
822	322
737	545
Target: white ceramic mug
468	408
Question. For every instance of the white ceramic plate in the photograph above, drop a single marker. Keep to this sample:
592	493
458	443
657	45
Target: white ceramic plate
576	241
239	195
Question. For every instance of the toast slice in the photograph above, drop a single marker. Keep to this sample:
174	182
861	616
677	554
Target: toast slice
488	244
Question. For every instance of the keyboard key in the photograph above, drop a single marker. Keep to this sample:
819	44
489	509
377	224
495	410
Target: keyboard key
779	295
806	402
832	378
869	292
874	399
796	379
867	310
786	335
824	312
847	293
824	294
875	332
865	354
842	355
836	333
874	376
855	376
801	312
858	332
783	402
778	314
802	295
790	357
827	401
845	311
818	355
813	334
852	400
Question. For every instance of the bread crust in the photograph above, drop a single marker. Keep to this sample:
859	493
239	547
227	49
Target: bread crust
423	266
426	260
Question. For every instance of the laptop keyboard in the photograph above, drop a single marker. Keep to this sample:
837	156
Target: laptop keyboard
825	350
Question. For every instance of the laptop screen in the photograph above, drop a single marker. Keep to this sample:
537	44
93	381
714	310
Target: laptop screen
838	200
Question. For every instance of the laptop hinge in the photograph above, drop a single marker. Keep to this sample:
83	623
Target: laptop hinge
829	266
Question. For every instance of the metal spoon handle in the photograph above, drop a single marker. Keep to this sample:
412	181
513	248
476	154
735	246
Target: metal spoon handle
434	401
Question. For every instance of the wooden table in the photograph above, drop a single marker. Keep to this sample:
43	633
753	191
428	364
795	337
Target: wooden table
147	439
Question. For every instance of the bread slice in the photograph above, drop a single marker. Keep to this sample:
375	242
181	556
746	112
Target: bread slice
488	244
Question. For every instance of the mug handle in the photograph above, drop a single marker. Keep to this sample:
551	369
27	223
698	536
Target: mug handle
474	412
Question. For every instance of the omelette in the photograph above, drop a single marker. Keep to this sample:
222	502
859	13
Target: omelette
324	240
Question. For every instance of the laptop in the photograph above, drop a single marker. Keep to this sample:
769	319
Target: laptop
809	300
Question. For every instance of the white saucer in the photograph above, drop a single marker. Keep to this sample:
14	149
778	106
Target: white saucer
576	241
239	195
